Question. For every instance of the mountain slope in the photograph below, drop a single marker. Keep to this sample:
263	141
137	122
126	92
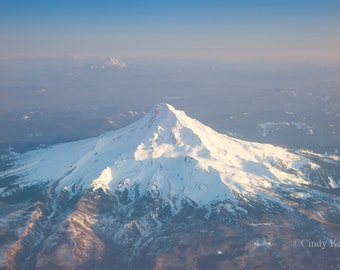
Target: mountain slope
140	191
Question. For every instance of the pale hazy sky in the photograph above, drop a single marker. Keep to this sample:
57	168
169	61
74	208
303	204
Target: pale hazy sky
191	29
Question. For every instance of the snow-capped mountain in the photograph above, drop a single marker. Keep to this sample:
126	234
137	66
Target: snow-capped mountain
110	62
113	61
119	198
170	154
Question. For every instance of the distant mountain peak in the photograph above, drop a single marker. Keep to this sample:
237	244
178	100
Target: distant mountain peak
109	63
113	61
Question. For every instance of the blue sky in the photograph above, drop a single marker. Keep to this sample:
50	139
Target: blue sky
212	30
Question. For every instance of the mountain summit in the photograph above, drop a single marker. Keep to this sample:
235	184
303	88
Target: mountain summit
109	63
113	61
136	197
